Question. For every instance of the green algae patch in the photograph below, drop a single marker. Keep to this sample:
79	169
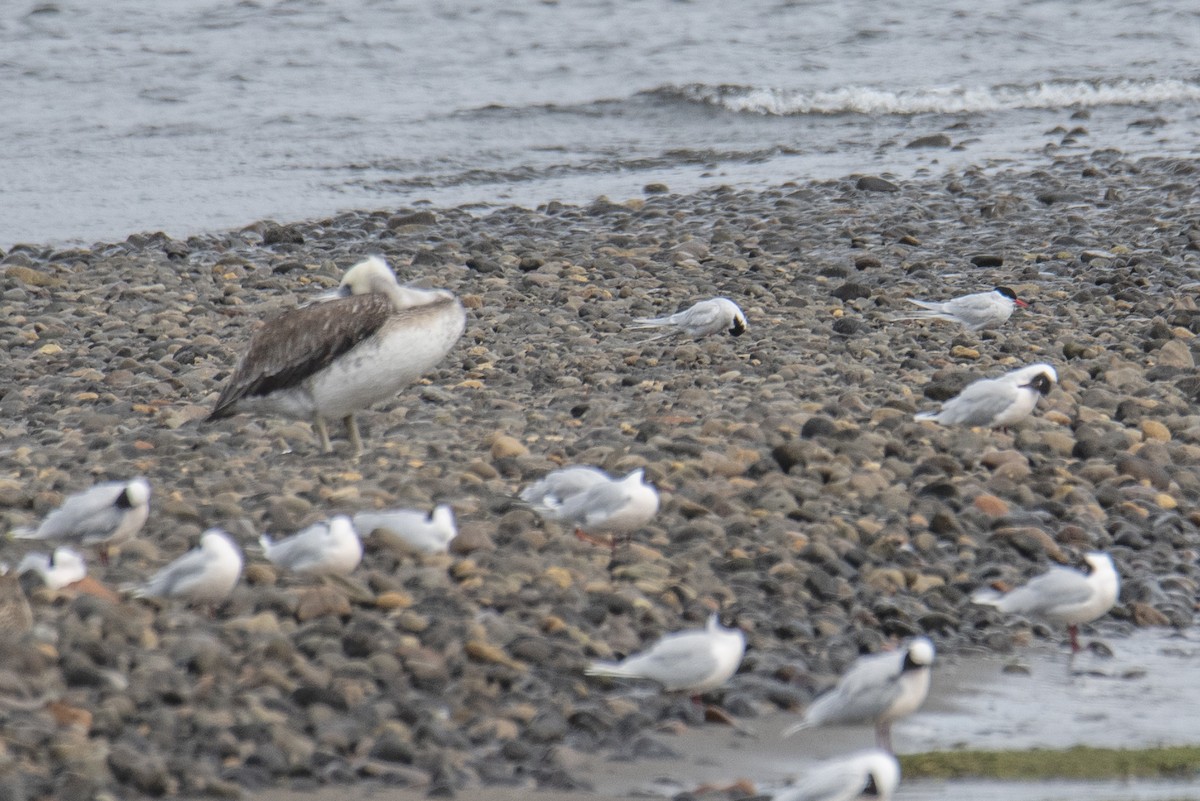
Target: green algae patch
1080	762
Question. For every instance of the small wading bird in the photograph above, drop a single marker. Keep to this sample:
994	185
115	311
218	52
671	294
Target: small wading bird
593	503
107	514
880	689
976	311
869	774
997	402
411	529
203	575
1062	596
335	357
704	318
328	548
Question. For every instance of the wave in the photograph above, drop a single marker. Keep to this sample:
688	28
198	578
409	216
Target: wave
935	100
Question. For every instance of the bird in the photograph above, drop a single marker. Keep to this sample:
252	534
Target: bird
872	773
1062	595
592	502
695	661
425	532
16	618
706	317
997	402
335	357
204	575
879	688
109	513
976	311
328	548
60	569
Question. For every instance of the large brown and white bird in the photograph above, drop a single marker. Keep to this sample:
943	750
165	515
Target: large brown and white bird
336	357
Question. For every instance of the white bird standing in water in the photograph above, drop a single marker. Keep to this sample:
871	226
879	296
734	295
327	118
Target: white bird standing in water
336	357
593	503
425	532
976	311
869	774
704	318
694	661
880	689
997	402
60	569
206	574
107	514
328	548
1062	595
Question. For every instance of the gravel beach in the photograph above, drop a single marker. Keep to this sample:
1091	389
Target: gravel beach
798	493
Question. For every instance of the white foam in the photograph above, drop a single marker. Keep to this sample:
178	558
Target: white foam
941	99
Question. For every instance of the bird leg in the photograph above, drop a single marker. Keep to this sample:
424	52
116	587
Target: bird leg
1074	632
583	536
883	735
322	433
352	431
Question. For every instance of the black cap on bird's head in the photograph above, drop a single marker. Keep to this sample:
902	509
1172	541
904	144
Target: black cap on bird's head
738	328
1010	294
1042	383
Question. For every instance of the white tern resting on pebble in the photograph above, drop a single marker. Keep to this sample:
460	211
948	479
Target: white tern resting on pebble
1062	595
60	569
976	311
869	774
206	574
997	402
412	529
694	661
328	548
107	514
879	688
704	318
333	358
593	503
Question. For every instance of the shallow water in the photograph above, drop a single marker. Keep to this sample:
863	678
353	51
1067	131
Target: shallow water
1140	697
136	115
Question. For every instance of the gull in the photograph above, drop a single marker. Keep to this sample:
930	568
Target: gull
62	568
328	548
706	317
1062	595
997	402
335	357
107	514
695	661
425	532
594	503
206	574
879	689
872	773
977	311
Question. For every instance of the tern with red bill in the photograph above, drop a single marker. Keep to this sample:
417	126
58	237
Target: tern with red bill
976	311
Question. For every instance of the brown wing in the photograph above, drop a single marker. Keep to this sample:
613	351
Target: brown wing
300	342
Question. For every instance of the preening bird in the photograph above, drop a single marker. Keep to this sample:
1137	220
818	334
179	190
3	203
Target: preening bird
704	318
997	402
593	503
976	311
60	569
1062	595
335	357
880	689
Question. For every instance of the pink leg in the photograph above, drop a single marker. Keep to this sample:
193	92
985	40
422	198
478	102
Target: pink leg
1074	630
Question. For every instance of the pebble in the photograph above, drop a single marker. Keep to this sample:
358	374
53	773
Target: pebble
796	487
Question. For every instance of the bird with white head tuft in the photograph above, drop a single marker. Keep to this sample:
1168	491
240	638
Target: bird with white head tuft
869	774
203	575
107	514
593	503
704	318
328	548
411	529
997	402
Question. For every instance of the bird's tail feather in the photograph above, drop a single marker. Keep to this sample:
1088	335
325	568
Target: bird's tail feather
23	533
986	597
926	415
611	669
650	322
797	727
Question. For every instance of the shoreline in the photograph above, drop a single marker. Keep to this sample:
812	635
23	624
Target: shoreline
798	491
